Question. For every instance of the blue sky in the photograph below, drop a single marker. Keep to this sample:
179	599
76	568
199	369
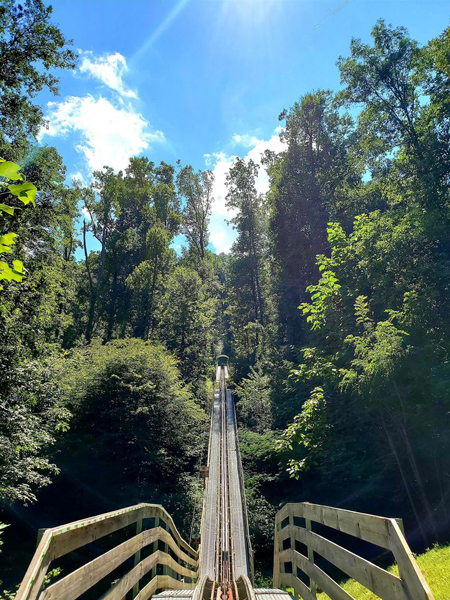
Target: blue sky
203	80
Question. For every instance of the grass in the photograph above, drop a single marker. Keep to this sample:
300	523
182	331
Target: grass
435	566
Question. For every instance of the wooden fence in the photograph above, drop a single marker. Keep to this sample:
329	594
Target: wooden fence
289	562
60	541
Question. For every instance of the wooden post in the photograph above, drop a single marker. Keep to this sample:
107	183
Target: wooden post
40	533
276	557
155	549
137	557
166	569
312	584
416	586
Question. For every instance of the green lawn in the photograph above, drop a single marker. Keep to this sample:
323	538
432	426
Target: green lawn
435	566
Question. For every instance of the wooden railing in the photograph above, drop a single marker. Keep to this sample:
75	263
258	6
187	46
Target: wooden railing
60	541
294	530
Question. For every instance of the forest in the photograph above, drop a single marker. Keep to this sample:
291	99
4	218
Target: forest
333	306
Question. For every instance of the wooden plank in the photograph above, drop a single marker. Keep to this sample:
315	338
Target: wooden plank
249	590
157	510
168	539
312	584
300	589
37	570
162	582
286	511
415	584
385	585
137	557
370	528
325	582
148	590
276	558
72	536
82	579
129	580
166	559
79	533
76	583
125	583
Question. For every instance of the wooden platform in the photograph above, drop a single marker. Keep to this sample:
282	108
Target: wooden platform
176	595
261	594
269	594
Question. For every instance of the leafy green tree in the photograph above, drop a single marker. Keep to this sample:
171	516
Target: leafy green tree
308	183
33	318
196	189
254	407
186	327
146	422
146	280
385	78
243	198
32	413
31	47
134	215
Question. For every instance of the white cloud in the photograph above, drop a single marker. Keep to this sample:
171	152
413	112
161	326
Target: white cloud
108	135
246	140
222	235
109	70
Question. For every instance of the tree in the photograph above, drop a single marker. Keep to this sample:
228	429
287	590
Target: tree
146	422
385	78
196	189
134	216
186	325
243	198
308	183
254	407
31	46
32	413
247	290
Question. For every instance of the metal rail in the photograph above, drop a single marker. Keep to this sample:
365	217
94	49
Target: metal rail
224	520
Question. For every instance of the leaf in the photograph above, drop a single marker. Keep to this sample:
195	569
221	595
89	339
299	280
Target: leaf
8	238
7	209
6	241
9	274
26	192
18	266
9	170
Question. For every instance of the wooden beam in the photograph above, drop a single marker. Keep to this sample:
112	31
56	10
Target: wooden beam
416	586
300	589
72	536
37	570
137	557
125	583
385	585
162	582
370	528
82	579
312	584
325	582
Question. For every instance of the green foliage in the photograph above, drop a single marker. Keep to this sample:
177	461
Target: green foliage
147	423
254	407
196	189
32	412
309	431
26	193
31	47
